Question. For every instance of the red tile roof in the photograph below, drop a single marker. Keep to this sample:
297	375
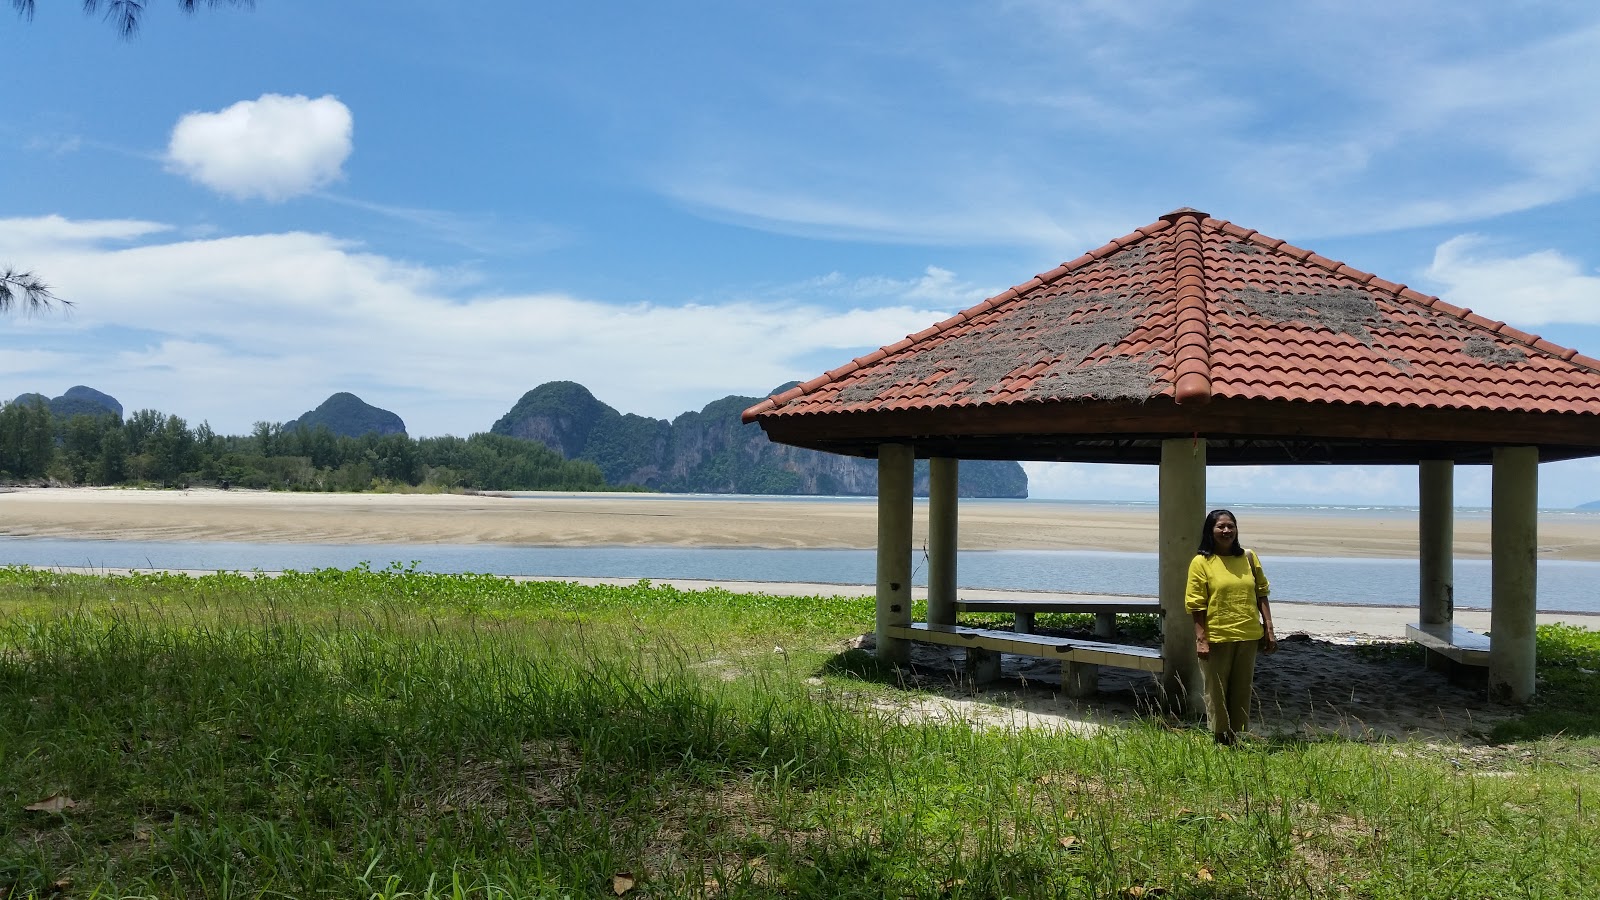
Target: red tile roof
1193	309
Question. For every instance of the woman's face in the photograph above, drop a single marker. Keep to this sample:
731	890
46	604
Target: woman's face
1223	532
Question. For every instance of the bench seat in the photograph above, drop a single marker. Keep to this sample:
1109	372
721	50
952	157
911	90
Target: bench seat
1070	650
1129	606
1462	645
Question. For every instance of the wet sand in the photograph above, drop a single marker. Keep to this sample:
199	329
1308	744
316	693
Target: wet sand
663	520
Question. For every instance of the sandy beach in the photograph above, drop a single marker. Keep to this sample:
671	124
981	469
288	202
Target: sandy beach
665	520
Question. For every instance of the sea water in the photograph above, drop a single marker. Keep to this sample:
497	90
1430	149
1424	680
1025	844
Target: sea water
1563	585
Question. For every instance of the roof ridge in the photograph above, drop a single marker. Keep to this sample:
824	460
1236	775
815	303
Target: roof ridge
1011	293
1192	339
1431	301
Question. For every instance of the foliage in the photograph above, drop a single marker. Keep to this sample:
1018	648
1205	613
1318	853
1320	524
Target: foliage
125	15
26	440
345	414
151	447
1568	697
25	289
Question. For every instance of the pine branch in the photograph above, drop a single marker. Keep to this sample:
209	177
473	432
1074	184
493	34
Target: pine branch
25	289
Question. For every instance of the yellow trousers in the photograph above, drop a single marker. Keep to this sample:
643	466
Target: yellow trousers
1229	673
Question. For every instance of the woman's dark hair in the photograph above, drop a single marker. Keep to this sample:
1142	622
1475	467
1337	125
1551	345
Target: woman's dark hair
1207	547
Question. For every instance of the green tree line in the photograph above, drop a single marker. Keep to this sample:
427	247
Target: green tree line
152	448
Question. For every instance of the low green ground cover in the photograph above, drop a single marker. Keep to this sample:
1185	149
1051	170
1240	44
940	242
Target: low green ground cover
386	734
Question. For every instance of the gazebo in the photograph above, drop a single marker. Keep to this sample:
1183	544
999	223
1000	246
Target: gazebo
1194	342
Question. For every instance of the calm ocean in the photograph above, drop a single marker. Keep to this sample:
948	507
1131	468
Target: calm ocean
1564	586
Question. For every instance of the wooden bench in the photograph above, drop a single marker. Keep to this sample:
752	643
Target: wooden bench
1105	610
1080	659
1451	648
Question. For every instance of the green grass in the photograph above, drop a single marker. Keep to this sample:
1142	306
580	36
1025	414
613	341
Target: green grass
399	734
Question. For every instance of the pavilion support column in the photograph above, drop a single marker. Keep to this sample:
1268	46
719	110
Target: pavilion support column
1435	542
943	493
1513	545
894	550
1182	513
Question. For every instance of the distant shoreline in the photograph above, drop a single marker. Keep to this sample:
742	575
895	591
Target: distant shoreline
636	520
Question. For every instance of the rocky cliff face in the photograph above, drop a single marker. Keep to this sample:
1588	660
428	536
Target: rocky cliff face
711	451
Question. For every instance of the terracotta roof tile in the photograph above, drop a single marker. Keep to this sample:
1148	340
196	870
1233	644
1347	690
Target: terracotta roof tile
1194	308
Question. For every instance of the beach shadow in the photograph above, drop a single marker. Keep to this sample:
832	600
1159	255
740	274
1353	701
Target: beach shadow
1312	690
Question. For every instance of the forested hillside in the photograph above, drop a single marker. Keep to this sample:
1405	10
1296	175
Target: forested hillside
711	451
158	449
557	437
347	415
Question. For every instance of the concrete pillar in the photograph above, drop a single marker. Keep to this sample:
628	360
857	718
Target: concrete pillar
1080	680
1514	544
894	549
1105	625
943	491
1435	541
1182	513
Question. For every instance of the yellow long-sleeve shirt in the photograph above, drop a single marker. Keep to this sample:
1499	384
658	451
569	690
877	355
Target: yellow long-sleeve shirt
1225	588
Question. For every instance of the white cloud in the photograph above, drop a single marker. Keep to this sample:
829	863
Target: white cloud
1236	485
1529	290
19	235
273	148
1562	485
23	362
822	211
935	285
236	329
1376	117
1086	481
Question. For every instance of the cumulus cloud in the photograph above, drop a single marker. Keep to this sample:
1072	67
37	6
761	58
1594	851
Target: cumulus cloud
1528	290
272	148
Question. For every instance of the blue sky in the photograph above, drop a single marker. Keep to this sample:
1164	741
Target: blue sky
439	206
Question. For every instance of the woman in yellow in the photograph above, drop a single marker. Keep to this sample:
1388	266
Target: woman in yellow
1227	595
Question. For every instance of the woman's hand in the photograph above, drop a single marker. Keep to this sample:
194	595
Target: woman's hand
1202	648
1269	643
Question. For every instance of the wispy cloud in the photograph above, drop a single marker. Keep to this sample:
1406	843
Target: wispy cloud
487	234
937	286
1057	124
22	235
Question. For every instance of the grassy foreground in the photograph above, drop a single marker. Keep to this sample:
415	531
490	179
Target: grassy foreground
386	734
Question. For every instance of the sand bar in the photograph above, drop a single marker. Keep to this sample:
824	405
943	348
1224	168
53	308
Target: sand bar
567	520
